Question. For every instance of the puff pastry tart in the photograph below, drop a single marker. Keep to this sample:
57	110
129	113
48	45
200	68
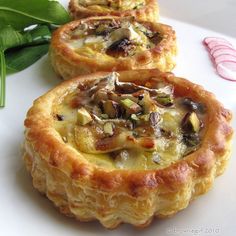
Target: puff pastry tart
111	44
145	10
126	147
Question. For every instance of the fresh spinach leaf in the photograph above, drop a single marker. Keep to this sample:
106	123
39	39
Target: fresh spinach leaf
15	16
10	38
20	59
2	79
22	13
38	35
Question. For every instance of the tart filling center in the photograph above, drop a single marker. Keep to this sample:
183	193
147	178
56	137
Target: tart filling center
128	126
113	38
119	5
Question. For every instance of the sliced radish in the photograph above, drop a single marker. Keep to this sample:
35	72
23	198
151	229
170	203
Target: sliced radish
227	70
218	47
224	57
207	40
216	43
228	51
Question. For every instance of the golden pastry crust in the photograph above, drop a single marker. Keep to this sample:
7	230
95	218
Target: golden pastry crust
149	12
69	64
89	192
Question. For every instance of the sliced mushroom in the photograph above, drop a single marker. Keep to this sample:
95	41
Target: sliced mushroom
122	41
104	29
156	38
120	48
111	108
104	95
190	105
154	118
90	140
148	104
144	30
108	82
191	139
126	32
127	87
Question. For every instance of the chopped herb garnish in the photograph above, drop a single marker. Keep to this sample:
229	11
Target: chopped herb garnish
108	128
83	116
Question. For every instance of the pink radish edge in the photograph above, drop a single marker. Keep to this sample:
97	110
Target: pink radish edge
222	70
224	51
215	43
224	57
212	50
207	40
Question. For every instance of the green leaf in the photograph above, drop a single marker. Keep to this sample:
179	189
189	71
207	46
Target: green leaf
38	35
10	38
19	59
2	79
22	13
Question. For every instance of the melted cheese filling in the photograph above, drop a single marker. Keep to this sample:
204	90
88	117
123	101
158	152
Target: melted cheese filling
106	40
169	146
108	5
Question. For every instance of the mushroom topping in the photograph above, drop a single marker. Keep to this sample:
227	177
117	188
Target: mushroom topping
154	118
123	33
123	40
124	116
111	108
122	47
116	38
190	105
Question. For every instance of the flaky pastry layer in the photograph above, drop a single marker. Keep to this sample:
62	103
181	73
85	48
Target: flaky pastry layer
148	12
69	64
89	192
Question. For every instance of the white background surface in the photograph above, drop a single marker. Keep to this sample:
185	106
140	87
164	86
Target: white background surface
25	212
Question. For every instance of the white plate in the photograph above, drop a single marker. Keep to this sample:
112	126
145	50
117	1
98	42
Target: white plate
25	212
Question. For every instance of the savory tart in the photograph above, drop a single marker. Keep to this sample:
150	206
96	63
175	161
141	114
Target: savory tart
111	44
144	10
126	147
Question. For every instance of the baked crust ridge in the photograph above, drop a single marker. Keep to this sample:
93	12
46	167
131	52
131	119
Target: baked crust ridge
70	64
89	192
149	12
